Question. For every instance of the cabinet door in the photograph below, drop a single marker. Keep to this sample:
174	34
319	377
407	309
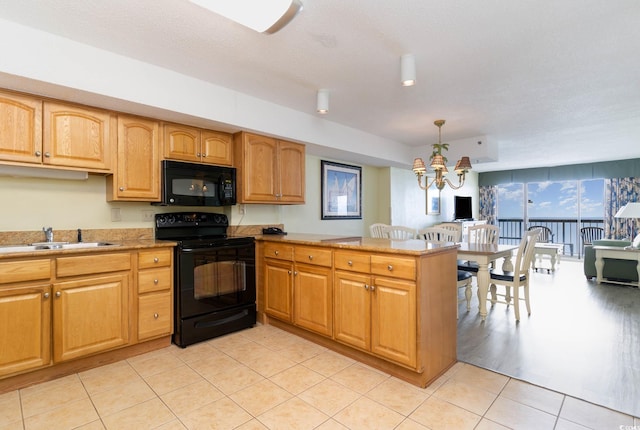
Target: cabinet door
217	148
154	315
259	169
393	320
278	289
313	298
137	172
77	137
25	328
352	309
20	128
291	172
181	142
90	315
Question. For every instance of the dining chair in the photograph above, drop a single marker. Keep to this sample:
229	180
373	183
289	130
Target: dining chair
464	281
546	235
479	234
437	234
398	232
454	226
589	234
517	279
378	230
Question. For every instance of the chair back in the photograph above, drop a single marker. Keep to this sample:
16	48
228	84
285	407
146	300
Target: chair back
525	254
546	236
589	234
437	235
378	230
453	226
398	232
483	234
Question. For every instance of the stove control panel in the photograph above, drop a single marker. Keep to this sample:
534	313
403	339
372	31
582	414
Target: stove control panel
191	219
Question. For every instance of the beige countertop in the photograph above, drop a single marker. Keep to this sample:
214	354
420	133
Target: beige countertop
412	247
124	245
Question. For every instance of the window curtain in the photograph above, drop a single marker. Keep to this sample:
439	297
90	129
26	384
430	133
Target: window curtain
489	204
618	192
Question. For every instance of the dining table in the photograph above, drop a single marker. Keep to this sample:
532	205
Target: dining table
484	255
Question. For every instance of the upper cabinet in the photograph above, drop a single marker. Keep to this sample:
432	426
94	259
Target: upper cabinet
196	145
20	128
137	170
78	137
269	170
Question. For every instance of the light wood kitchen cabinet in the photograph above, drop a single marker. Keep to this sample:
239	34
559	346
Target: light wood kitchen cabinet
90	311
137	169
78	137
313	289
25	315
377	313
197	145
21	128
269	170
278	278
155	293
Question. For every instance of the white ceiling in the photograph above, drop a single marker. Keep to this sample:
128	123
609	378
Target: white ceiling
548	82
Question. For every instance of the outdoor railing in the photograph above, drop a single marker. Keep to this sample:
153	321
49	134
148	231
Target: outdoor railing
565	231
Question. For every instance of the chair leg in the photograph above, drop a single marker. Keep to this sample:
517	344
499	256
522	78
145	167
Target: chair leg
526	297
467	294
494	294
516	302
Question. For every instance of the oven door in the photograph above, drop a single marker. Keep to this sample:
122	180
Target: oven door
215	279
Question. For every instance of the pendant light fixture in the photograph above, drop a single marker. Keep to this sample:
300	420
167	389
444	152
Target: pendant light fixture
439	165
408	70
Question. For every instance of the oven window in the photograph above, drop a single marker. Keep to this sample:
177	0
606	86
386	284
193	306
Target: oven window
219	278
193	187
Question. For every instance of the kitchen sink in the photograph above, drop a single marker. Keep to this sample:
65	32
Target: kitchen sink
52	245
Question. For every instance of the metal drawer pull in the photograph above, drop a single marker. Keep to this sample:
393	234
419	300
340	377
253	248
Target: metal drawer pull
155	281
350	263
46	295
58	293
289	272
155	316
390	267
366	287
156	259
373	287
276	252
311	257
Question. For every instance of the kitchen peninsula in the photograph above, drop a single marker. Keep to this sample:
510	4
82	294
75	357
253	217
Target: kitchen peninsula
389	304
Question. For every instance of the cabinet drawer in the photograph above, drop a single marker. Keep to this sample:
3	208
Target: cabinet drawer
398	267
154	315
279	251
21	270
94	263
156	257
154	280
312	255
352	261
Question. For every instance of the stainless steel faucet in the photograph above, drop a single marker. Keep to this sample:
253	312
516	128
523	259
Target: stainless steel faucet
48	233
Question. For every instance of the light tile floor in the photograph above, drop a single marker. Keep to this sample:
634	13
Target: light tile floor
265	378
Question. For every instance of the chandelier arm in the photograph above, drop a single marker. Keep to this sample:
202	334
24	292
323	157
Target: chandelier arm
420	182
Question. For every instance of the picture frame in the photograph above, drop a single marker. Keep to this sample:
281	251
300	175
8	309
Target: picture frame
433	200
341	190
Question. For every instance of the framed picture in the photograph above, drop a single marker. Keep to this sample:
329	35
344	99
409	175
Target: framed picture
433	200
341	191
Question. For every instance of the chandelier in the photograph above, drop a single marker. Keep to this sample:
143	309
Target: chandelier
439	165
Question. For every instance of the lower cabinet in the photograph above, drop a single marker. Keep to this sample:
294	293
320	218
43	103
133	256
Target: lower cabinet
278	289
25	328
90	315
155	293
313	298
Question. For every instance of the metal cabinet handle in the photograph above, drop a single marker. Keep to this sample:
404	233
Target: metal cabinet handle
155	281
373	288
58	293
350	263
155	316
390	267
38	154
46	295
295	273
366	287
277	252
311	257
121	188
289	272
156	259
47	155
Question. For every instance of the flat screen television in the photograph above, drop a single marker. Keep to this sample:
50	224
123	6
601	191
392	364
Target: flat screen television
462	207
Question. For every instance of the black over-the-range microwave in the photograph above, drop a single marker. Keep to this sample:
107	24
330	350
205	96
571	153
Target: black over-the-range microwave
190	184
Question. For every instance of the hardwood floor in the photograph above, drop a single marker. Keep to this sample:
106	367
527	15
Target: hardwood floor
581	339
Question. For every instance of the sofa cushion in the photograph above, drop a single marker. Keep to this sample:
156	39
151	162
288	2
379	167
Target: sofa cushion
611	242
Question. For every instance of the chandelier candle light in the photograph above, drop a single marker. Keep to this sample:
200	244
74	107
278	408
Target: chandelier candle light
439	165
